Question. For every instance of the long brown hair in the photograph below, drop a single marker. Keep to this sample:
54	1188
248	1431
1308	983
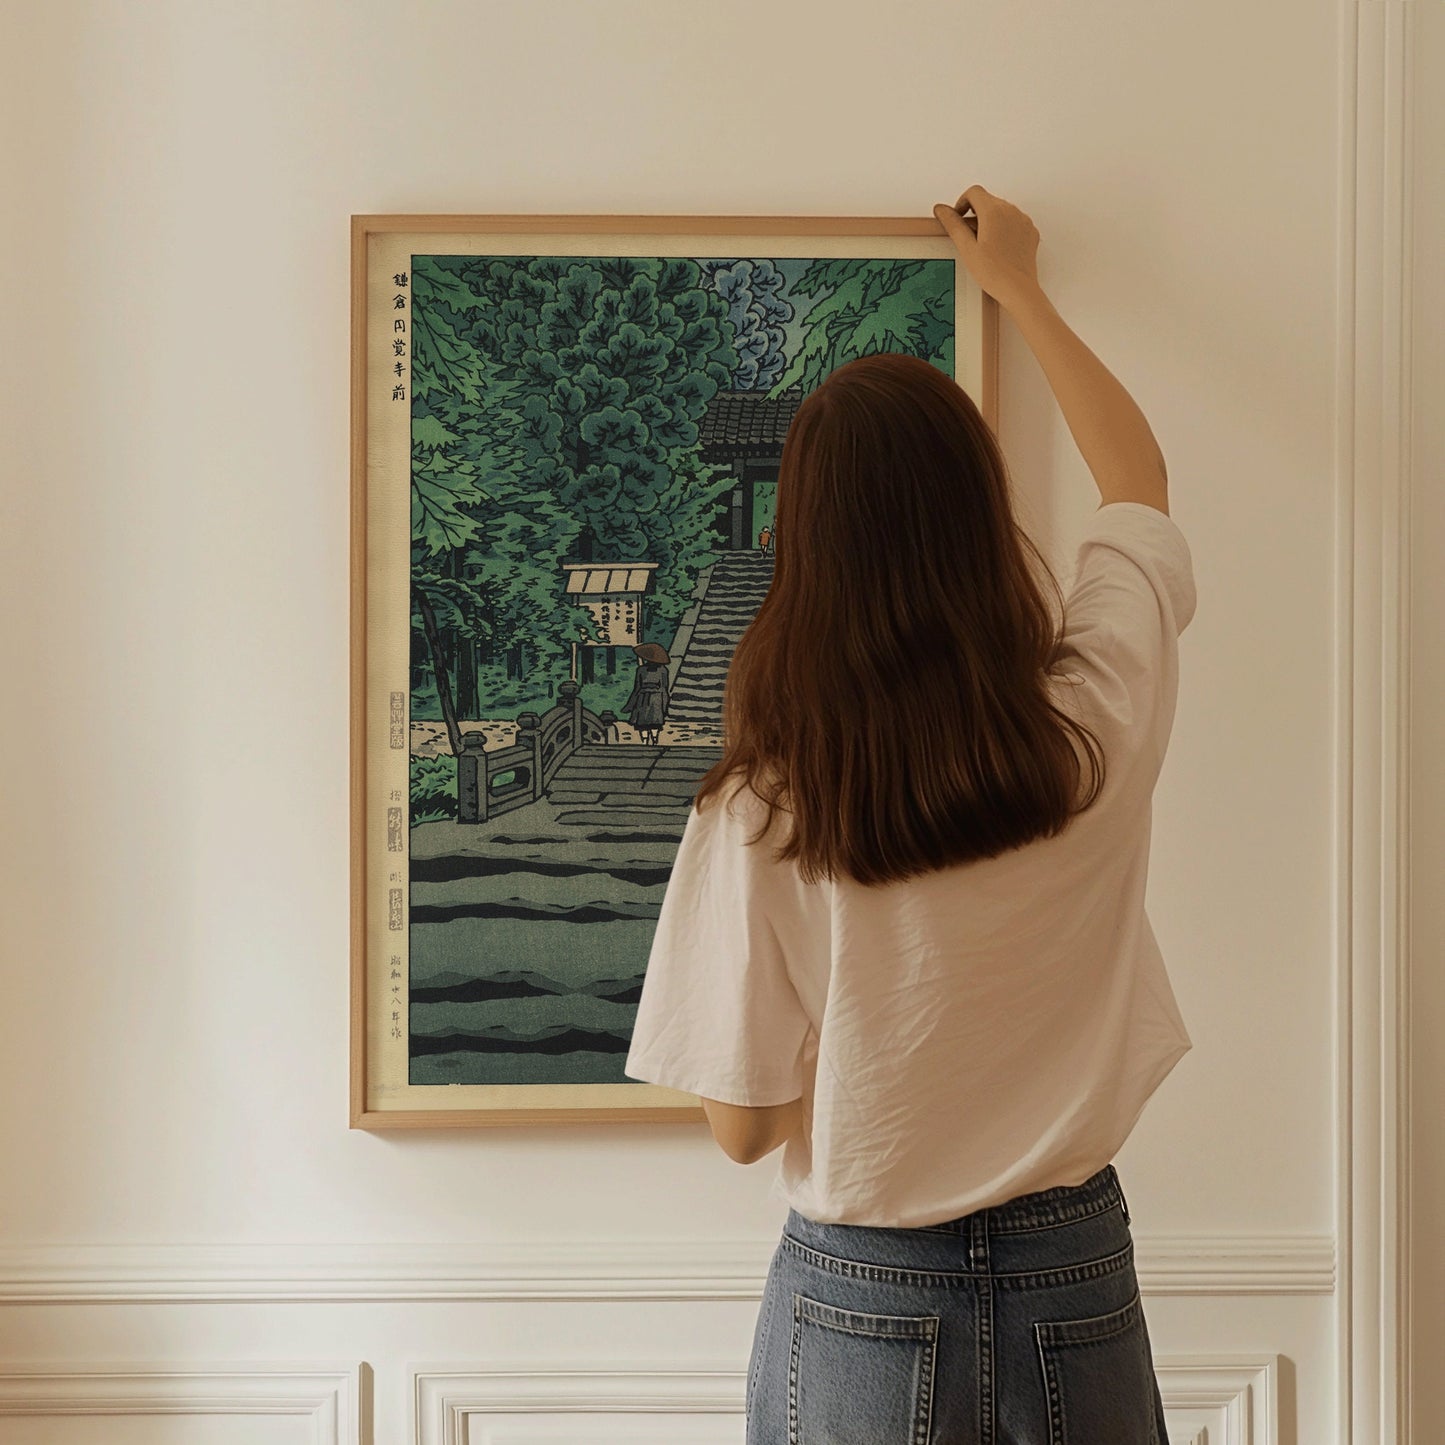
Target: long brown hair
890	692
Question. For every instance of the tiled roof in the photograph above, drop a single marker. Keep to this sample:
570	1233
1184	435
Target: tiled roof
748	418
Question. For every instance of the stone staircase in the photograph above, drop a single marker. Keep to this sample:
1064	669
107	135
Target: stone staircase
736	587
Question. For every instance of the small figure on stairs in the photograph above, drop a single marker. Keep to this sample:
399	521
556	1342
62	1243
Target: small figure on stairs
647	705
765	540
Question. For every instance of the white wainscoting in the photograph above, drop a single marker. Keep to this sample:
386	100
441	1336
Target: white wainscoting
1220	1400
1224	1400
621	1270
322	1402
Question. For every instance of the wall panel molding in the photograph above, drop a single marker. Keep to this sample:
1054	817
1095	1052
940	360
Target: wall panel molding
702	1269
1372	643
328	1396
1220	1399
1209	1399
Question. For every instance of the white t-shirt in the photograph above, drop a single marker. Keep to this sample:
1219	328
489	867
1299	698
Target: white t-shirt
974	1033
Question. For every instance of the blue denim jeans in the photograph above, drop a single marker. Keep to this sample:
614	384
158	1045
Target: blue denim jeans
1020	1324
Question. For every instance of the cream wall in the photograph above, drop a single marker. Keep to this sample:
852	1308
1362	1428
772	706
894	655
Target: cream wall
181	1191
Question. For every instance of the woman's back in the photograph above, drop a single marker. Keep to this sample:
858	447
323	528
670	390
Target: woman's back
973	1033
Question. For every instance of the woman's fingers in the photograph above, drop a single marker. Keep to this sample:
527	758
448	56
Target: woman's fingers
956	226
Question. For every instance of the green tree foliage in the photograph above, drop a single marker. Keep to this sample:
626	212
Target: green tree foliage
868	306
556	403
555	412
759	312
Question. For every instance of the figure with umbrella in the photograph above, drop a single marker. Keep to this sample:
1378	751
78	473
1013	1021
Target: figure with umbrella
647	705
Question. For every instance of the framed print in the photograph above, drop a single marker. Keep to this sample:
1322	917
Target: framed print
566	433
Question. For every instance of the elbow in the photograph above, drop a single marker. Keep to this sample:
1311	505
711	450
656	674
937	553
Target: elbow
762	1153
746	1134
785	1120
740	1151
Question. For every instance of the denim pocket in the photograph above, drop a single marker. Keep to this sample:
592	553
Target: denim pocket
859	1378
1099	1378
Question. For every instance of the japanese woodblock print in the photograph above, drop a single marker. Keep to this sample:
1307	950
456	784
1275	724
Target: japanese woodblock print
566	436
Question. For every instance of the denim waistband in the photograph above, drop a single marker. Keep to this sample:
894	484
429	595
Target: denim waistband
1045	1207
1067	1233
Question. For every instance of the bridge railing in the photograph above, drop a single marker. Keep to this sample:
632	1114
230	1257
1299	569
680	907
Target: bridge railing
492	783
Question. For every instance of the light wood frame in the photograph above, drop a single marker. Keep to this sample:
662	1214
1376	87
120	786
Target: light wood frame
976	368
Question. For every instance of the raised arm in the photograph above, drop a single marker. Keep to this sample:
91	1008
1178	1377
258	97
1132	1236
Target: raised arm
998	244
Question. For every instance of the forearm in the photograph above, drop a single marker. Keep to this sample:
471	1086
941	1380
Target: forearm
1111	432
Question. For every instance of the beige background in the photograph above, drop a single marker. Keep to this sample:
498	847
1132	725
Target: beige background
180	1184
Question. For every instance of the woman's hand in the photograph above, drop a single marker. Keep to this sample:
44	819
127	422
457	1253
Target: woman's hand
998	243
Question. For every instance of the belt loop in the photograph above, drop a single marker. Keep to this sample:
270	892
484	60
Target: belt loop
978	1240
1123	1203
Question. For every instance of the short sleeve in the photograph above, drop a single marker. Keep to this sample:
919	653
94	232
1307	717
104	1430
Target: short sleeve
1160	579
1133	594
719	1016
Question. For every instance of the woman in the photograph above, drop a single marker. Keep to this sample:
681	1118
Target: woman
647	703
909	943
